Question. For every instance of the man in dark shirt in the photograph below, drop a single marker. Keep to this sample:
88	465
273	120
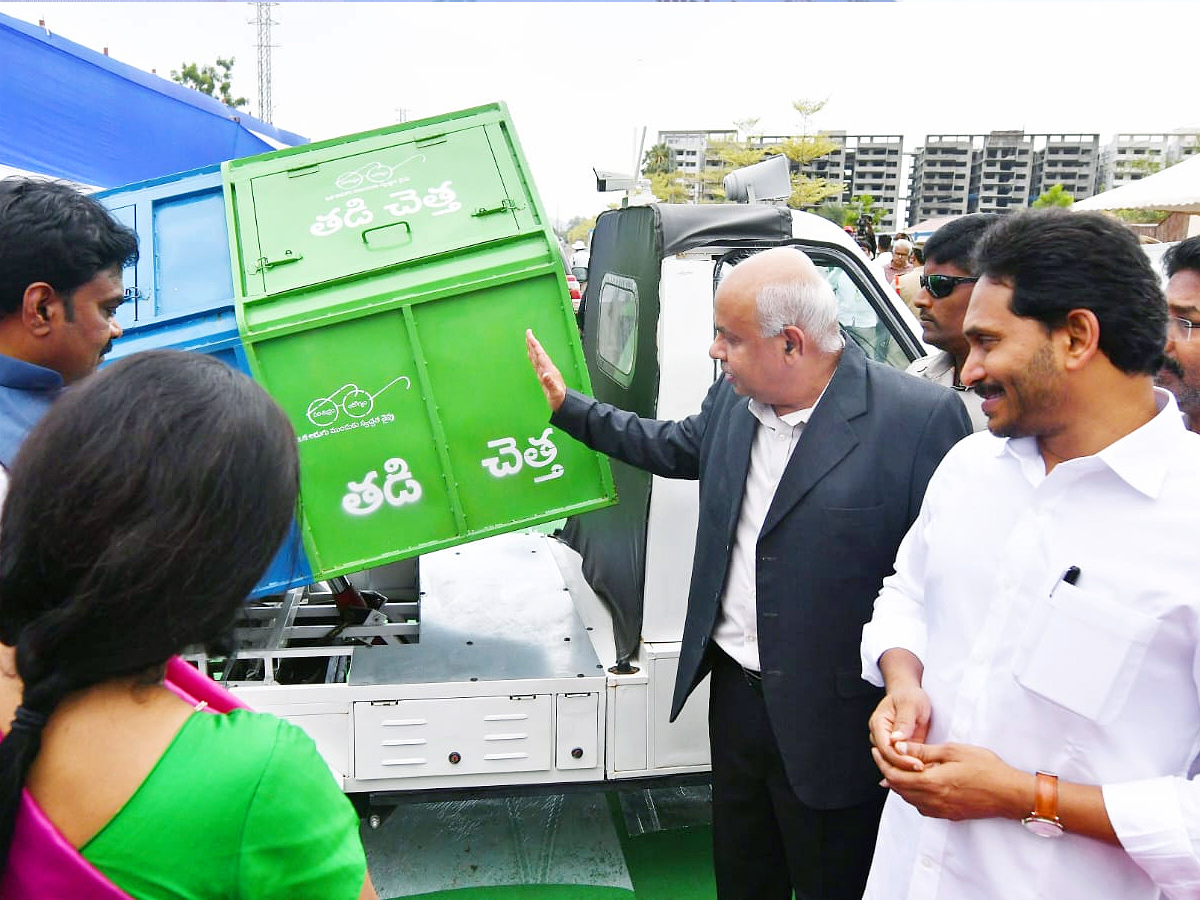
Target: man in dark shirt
61	255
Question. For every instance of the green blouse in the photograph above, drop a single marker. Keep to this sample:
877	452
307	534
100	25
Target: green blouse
240	806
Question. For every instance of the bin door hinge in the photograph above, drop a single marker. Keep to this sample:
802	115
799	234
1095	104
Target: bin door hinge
264	263
506	205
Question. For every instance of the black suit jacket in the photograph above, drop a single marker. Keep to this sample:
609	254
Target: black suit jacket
849	493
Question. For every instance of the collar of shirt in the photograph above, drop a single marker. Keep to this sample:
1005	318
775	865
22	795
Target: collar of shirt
1135	458
766	415
26	392
937	367
27	376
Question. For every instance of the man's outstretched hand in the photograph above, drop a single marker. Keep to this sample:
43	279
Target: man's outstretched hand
548	375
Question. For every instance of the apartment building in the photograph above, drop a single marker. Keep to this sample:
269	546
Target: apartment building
940	177
997	172
873	167
950	174
1002	172
1072	160
1130	156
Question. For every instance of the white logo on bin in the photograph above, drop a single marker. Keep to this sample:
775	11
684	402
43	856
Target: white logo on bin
373	173
399	489
439	200
349	399
509	459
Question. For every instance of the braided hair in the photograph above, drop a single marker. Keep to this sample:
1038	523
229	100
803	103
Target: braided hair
142	510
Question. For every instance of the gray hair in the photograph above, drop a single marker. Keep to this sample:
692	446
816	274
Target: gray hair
809	304
902	244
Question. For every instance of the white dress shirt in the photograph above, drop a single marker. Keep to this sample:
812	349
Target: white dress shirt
1097	682
774	440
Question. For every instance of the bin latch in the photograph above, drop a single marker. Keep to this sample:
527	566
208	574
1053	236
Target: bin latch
506	205
288	257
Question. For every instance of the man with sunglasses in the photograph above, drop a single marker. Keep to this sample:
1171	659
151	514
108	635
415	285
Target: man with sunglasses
1180	373
941	303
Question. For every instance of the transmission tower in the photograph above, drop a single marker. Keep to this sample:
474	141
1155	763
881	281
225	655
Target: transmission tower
262	18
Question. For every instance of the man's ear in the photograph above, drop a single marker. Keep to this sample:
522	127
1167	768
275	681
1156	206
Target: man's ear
793	341
1082	332
38	307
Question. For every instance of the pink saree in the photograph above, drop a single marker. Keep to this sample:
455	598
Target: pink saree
42	865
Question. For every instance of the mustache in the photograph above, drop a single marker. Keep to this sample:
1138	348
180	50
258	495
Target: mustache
1172	366
985	389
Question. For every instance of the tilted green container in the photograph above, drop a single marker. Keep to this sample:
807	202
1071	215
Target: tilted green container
384	284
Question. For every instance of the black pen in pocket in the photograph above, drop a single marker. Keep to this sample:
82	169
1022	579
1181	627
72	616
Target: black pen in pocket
1069	576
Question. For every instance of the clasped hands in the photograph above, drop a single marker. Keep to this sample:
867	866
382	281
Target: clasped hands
943	781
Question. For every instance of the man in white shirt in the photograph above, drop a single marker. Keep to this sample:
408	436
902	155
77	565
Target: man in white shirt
884	256
1040	638
812	461
941	302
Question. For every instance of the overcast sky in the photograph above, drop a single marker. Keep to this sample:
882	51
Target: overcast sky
583	79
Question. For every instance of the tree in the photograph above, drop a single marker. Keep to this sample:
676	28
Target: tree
803	150
806	191
864	205
1057	195
670	187
834	211
216	81
1145	166
748	128
580	229
657	160
806	109
1141	216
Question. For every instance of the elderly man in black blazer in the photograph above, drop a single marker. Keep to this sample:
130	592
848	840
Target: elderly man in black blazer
812	463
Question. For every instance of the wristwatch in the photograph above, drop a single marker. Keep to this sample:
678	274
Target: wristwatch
1043	821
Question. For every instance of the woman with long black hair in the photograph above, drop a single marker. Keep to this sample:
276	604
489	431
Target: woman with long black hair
142	510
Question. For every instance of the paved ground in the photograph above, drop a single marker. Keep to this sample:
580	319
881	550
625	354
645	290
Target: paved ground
632	845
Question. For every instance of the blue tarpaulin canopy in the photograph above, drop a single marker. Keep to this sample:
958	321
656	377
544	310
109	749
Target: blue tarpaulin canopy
76	114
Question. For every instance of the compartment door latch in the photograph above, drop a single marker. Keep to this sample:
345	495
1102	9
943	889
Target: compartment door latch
506	205
263	263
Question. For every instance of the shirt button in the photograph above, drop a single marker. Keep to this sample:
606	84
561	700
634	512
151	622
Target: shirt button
926	862
751	638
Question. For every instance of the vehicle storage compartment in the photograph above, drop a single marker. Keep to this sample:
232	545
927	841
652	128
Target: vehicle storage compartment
179	296
384	284
460	735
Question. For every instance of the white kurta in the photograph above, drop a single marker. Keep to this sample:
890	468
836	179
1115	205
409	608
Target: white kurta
1098	682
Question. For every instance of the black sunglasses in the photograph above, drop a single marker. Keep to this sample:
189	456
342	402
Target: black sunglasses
942	286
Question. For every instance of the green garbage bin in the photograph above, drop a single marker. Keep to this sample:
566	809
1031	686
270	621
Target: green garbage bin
384	283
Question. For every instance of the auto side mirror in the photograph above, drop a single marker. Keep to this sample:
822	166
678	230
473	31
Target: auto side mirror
580	272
